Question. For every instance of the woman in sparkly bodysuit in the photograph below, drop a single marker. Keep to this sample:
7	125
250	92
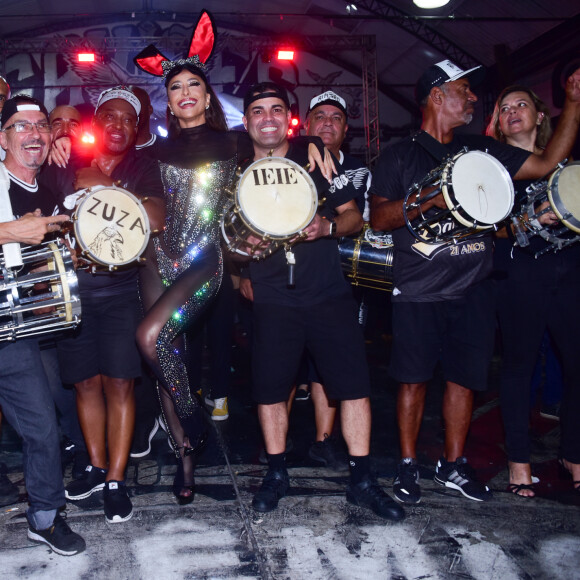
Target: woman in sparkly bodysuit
184	265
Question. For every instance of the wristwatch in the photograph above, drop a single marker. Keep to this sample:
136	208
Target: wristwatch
332	231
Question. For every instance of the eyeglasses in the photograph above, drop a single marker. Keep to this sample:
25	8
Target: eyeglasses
26	127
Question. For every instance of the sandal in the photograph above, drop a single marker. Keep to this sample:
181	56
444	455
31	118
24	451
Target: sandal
515	488
179	487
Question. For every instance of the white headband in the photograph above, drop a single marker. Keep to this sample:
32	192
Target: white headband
119	93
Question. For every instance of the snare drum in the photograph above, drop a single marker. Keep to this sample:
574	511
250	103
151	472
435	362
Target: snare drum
478	192
368	259
39	302
275	200
111	226
562	191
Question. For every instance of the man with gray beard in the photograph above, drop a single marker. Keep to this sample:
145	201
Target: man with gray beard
443	306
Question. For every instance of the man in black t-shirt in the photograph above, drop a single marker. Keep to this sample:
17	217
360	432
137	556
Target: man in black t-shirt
327	118
317	313
25	396
102	359
443	309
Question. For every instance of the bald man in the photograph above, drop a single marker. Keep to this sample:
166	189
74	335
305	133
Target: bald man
66	121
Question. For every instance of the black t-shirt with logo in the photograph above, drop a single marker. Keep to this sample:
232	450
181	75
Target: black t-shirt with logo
318	273
424	272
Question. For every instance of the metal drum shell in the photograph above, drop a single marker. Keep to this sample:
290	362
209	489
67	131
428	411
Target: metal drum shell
367	265
19	306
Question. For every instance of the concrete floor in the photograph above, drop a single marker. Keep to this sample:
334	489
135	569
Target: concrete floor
315	533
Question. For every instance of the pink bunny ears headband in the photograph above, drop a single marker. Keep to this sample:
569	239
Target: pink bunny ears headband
201	46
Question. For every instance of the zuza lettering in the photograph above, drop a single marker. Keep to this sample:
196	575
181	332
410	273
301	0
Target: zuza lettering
108	212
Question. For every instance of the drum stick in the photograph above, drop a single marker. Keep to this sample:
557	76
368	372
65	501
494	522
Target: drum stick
12	254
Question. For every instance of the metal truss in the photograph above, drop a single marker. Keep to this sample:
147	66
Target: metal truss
418	28
321	45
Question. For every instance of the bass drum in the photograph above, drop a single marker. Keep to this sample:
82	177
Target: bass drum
368	259
274	201
42	296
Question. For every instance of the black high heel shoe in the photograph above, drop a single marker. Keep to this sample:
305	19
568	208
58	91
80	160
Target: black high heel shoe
179	486
565	473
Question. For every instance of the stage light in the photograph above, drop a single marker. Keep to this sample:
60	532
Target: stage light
88	138
294	127
429	4
286	54
86	57
162	131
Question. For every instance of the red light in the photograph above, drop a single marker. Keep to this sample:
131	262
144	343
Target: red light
290	132
87	138
285	55
295	122
86	57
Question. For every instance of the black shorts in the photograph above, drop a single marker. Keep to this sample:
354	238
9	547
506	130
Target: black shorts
458	333
104	343
331	334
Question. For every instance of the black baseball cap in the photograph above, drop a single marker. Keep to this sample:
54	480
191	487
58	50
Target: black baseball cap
445	72
265	90
20	103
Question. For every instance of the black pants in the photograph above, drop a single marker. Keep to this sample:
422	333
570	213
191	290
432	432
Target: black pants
532	299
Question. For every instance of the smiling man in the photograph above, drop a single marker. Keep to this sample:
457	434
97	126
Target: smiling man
66	121
25	396
101	359
317	314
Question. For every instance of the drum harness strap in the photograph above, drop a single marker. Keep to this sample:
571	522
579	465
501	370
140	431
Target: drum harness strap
435	148
12	255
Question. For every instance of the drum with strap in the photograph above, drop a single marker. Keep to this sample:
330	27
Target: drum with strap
562	192
111	226
478	192
41	296
274	201
368	259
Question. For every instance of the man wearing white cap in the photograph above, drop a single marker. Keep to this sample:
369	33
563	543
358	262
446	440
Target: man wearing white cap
101	359
25	396
443	307
327	118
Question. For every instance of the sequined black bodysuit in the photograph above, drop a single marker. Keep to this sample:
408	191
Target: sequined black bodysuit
184	267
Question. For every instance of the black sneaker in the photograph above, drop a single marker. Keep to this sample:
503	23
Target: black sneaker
118	506
93	481
406	485
550	412
369	494
142	440
274	486
329	454
80	462
59	537
459	475
302	394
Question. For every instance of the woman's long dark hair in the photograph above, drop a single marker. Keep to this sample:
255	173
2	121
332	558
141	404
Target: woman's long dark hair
214	116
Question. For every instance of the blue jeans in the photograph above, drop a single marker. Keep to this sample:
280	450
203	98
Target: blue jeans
27	403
